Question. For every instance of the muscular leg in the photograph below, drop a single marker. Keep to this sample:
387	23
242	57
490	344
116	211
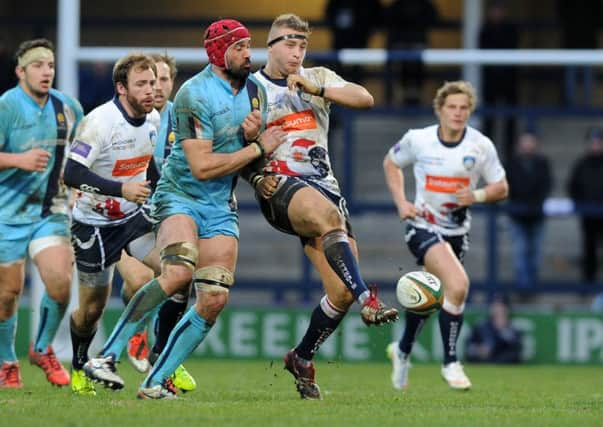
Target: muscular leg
174	276
333	306
12	278
441	261
313	215
84	320
217	260
55	265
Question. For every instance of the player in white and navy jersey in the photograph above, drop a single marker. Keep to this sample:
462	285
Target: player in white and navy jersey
298	192
111	166
449	161
36	123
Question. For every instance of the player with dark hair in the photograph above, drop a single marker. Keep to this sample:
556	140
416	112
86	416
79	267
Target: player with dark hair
216	135
36	122
109	164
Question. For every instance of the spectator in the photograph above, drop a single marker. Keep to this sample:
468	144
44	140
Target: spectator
586	190
351	23
499	83
407	23
530	183
495	340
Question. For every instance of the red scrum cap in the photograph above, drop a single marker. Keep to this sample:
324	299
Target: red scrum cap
219	36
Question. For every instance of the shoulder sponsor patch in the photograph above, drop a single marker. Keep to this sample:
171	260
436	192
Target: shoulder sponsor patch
131	167
80	148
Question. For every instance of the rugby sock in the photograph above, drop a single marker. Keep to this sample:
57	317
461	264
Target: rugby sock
169	314
325	319
51	314
80	343
146	300
412	329
339	255
451	320
8	328
126	299
184	339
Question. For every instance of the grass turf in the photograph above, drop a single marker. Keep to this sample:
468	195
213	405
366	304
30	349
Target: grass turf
261	393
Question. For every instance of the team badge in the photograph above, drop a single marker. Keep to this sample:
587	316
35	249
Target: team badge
469	162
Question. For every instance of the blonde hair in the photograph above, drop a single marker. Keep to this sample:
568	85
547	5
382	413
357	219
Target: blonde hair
291	21
453	88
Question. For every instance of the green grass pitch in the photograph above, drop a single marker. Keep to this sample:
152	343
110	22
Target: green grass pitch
261	393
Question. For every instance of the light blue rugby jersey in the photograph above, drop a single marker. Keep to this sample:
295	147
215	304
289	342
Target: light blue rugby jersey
25	197
206	108
165	136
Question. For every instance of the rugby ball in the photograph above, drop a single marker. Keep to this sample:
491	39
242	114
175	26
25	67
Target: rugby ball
420	292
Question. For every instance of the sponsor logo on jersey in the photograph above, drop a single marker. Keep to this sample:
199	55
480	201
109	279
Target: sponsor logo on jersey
61	119
445	184
131	167
171	137
302	120
80	148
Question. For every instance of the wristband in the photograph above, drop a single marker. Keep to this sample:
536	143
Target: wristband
479	195
258	148
321	92
255	181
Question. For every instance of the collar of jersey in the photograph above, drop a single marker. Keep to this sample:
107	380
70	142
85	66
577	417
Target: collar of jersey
451	144
133	122
278	82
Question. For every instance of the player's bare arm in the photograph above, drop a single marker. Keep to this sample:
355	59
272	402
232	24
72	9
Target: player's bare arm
350	95
488	194
34	160
206	164
395	182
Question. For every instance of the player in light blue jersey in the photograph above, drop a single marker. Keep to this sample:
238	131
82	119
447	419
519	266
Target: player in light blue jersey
36	122
217	134
135	273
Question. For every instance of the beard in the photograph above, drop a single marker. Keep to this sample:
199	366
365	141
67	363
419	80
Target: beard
138	107
239	73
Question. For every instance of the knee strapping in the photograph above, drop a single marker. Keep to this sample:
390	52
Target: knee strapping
333	237
213	278
183	253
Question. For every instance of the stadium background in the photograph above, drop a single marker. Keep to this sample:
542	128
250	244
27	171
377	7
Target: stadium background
555	314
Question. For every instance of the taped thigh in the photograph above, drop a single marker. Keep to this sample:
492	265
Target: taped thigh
213	278
183	253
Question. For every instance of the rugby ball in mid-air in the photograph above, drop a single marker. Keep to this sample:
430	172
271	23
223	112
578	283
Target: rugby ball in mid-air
420	292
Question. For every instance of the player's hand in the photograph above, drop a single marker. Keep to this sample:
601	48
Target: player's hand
137	192
34	160
272	138
464	196
297	82
251	125
407	210
267	186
